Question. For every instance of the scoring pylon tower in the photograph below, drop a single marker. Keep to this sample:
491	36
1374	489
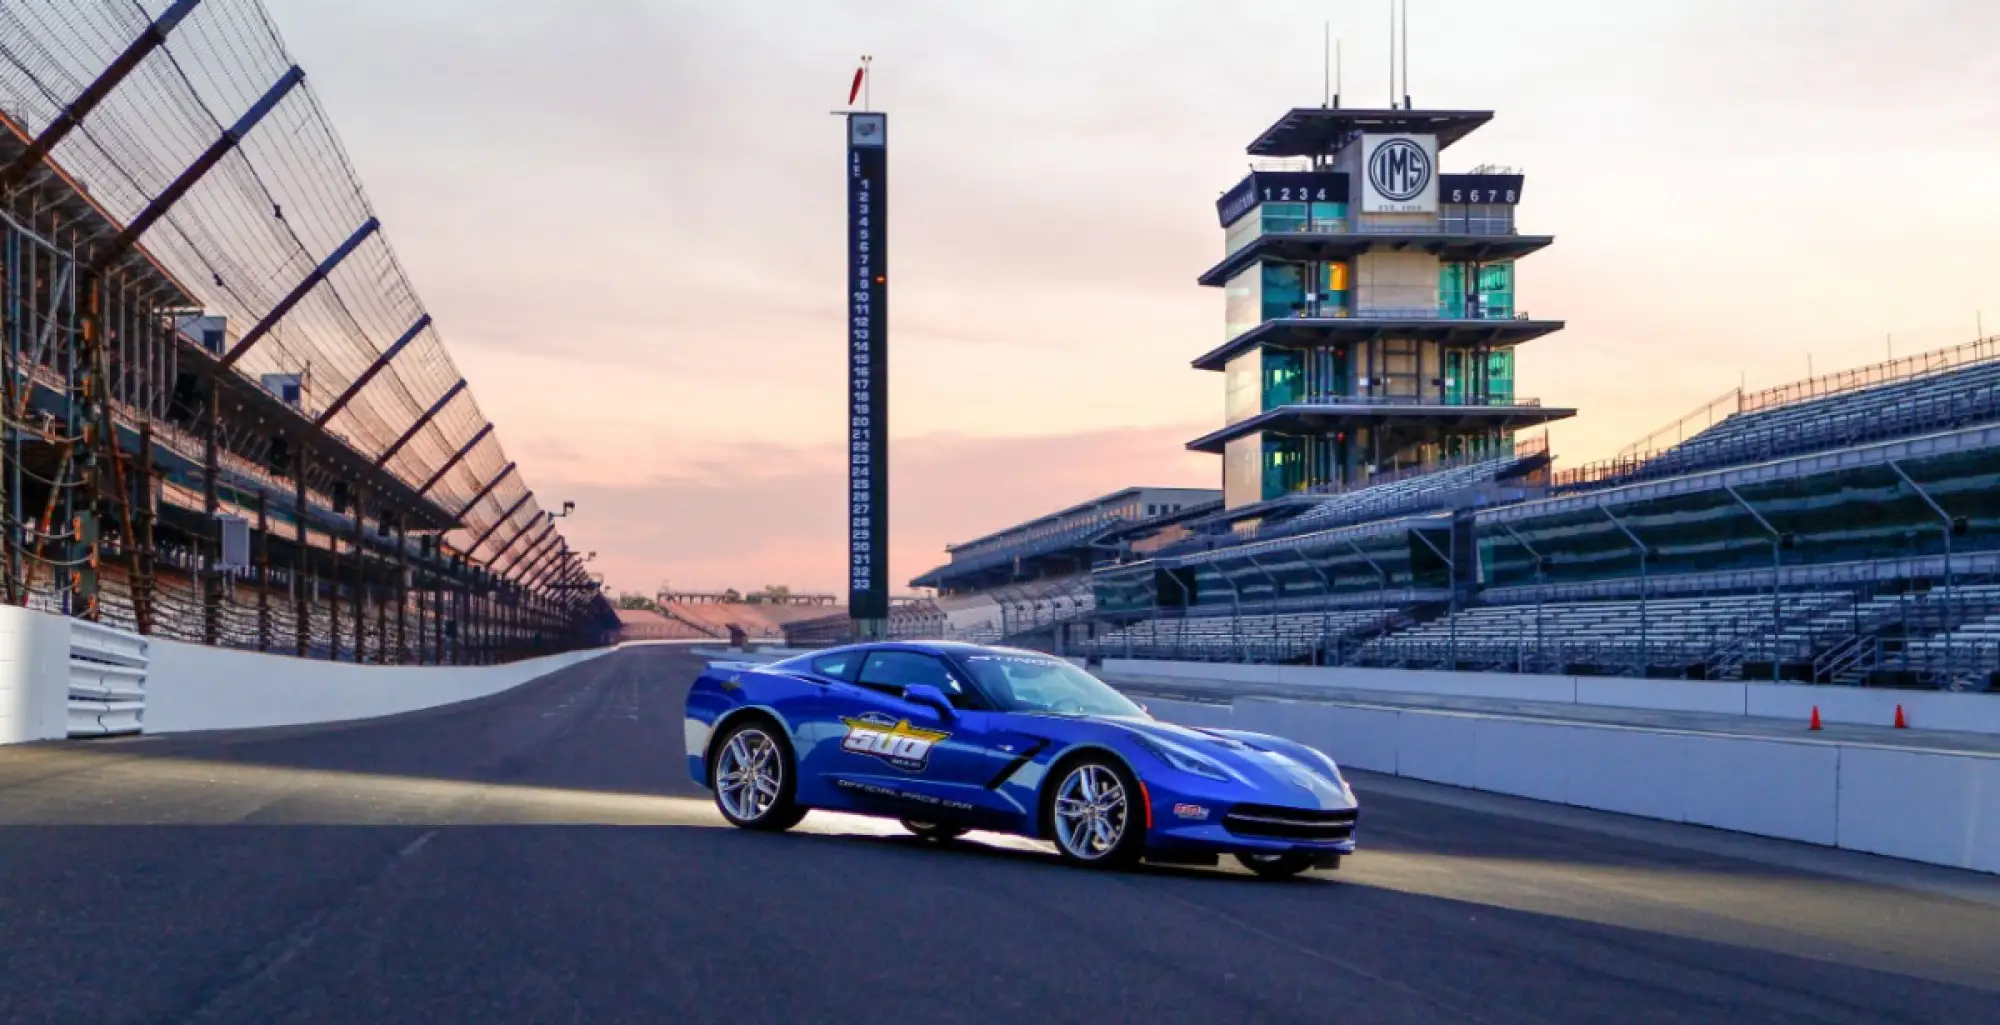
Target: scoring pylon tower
1370	319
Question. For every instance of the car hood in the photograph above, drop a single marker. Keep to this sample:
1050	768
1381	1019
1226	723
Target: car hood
1276	776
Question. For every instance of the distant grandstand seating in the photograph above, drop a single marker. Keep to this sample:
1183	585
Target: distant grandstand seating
647	625
1703	634
1941	400
1411	494
1288	637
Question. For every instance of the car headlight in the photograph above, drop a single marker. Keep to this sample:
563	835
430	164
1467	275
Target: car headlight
1325	766
1187	759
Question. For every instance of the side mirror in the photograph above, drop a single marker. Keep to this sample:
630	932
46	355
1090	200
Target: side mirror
930	697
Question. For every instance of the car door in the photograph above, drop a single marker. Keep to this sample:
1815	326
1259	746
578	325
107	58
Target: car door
896	757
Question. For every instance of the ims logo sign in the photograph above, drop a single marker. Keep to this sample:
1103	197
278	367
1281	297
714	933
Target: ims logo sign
1402	174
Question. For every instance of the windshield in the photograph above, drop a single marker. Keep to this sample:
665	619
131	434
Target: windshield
1024	682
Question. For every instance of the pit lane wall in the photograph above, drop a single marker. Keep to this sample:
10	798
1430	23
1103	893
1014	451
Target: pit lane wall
1855	706
1940	808
66	678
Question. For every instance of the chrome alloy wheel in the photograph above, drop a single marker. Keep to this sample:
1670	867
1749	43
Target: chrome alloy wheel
749	776
1090	812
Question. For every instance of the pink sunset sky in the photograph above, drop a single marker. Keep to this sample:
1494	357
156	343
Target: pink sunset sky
627	218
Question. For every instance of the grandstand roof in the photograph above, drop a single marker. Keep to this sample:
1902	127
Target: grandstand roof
1307	246
1284	331
241	398
1118	497
72	205
1322	417
1072	546
1309	131
632	616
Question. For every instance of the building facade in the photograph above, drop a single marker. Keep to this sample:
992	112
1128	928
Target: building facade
1370	314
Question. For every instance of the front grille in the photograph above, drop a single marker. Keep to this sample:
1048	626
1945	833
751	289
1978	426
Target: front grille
1263	820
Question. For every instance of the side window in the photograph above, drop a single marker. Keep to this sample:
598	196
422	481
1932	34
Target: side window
840	666
891	671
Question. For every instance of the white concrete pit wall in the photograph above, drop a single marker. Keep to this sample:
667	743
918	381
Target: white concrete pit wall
1965	713
192	687
34	675
1938	808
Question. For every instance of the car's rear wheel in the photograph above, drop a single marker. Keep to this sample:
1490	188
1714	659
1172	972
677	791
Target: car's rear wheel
1282	865
1095	814
754	778
934	830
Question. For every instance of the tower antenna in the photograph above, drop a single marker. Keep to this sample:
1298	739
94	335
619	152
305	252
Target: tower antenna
1406	55
1326	64
1336	73
1392	54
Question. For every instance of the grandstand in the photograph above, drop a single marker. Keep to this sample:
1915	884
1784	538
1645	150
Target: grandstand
1840	530
647	625
1844	563
229	418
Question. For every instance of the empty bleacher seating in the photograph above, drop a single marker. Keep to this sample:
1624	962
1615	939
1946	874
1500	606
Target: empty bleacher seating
1413	494
1670	632
1956	398
1275	637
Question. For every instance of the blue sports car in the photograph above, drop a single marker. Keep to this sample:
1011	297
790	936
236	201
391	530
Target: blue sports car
954	737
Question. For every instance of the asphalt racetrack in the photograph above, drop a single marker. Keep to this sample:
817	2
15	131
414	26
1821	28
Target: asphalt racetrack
541	856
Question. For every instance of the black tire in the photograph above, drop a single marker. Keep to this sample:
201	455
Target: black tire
782	812
935	831
1276	866
1129	843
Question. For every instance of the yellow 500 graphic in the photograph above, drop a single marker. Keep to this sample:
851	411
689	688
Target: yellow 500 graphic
893	740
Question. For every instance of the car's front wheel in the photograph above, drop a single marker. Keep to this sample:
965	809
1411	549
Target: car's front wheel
1095	814
753	778
933	830
1282	865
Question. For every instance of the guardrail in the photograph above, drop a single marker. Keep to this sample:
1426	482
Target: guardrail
107	680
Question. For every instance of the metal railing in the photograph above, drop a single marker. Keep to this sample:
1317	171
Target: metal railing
1439	311
1946	411
1937	361
1412	400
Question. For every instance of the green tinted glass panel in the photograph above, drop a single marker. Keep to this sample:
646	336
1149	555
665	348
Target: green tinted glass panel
1284	290
1283	377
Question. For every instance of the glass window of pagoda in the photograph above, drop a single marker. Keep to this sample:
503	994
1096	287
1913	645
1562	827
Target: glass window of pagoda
1491	286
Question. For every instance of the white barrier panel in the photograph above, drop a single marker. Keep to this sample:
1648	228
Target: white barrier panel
1910	804
1721	697
107	680
191	687
1190	713
34	678
1438	748
1968	713
1924	806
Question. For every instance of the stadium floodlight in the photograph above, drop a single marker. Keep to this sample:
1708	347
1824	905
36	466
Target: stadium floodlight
567	508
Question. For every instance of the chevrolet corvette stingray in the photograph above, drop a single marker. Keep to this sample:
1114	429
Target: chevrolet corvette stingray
949	737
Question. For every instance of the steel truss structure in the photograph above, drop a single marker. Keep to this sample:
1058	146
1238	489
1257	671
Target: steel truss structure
228	418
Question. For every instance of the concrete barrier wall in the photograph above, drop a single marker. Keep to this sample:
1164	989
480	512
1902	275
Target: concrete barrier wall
1937	808
34	676
1969	713
192	687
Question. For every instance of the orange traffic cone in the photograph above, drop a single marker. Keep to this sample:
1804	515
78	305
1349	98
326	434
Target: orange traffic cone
1901	722
1815	719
